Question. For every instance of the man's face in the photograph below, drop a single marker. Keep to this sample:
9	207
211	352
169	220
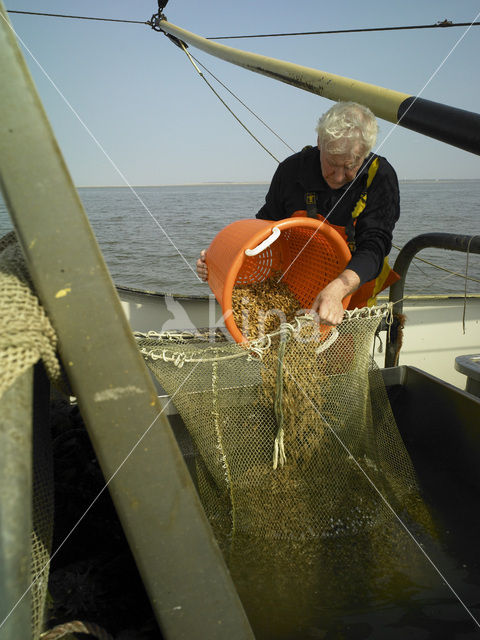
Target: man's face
340	168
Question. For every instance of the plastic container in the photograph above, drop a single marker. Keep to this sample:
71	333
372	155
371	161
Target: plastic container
308	252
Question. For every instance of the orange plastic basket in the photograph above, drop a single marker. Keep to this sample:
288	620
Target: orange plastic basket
308	252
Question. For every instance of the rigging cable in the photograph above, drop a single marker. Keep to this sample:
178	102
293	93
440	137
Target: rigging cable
182	45
432	264
149	23
63	15
244	105
155	24
438	25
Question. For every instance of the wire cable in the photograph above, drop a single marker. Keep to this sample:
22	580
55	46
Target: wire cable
243	104
200	73
438	25
63	15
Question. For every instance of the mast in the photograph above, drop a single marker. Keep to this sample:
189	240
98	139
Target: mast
454	126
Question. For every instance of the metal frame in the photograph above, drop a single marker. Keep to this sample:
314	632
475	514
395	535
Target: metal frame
449	241
182	568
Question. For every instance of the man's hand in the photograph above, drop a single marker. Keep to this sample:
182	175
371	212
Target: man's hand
202	269
328	304
328	307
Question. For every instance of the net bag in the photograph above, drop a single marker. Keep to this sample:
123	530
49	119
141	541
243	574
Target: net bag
305	255
299	464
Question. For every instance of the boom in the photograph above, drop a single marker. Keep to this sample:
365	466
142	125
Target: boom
454	126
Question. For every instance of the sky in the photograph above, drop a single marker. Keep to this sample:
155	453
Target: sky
128	108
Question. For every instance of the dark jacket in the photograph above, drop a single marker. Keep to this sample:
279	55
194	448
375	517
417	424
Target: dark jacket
301	173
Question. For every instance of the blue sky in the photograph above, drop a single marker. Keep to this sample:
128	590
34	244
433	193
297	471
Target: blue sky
156	122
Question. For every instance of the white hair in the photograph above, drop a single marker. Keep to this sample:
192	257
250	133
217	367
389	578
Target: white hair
346	125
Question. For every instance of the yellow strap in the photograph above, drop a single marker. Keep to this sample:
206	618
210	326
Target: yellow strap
379	282
362	201
372	170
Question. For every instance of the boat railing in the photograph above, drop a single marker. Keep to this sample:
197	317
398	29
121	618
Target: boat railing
449	241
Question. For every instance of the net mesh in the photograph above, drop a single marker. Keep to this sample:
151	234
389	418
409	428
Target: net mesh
26	333
297	449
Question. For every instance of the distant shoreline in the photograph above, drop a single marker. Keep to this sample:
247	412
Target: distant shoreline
260	182
182	184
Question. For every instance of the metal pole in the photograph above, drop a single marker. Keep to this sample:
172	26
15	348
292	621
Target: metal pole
451	125
183	570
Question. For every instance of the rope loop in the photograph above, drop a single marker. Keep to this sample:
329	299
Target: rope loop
180	360
328	342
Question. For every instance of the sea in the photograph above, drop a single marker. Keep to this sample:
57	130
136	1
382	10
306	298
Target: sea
151	236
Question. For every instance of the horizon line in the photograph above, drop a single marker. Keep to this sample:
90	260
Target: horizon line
244	182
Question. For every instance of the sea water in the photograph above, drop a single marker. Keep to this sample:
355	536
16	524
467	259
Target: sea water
151	236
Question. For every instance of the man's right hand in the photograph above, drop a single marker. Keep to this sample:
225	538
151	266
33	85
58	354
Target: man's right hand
202	269
328	305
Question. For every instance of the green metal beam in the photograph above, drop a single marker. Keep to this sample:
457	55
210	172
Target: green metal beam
182	568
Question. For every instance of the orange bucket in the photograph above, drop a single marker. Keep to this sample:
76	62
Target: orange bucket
308	252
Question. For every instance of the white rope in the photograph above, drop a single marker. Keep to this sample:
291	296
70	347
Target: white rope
255	349
328	342
385	309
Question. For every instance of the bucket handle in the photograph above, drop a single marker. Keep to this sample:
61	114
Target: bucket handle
265	244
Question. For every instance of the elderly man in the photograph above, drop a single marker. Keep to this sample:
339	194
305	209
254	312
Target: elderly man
352	189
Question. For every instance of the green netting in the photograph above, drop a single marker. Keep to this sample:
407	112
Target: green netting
300	467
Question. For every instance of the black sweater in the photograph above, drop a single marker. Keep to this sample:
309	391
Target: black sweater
301	173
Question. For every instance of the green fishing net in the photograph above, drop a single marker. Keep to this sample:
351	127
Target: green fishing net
298	462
